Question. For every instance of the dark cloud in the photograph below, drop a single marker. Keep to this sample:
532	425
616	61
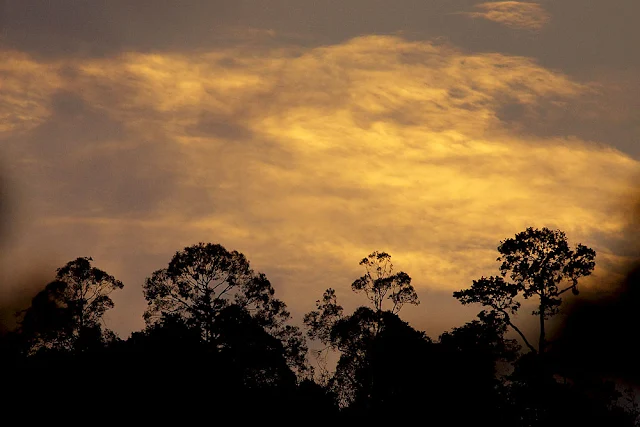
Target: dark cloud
97	28
580	34
597	331
611	113
11	213
83	167
71	125
600	331
592	33
4	207
16	296
16	290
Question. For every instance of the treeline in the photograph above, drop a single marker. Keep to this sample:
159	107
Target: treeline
219	346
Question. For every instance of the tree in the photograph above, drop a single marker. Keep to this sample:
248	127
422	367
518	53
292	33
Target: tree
204	280
380	282
477	355
380	365
67	314
482	341
355	336
535	264
377	283
320	322
245	356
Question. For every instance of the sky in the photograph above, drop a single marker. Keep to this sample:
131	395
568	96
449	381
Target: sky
307	134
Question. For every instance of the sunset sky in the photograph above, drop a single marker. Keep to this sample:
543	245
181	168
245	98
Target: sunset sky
307	134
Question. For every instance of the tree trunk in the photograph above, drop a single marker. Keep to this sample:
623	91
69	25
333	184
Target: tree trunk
541	343
541	310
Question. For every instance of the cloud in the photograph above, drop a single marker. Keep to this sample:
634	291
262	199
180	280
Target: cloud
513	14
306	160
25	95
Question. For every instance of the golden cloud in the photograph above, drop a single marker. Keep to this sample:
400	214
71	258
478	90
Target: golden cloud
26	86
513	14
309	159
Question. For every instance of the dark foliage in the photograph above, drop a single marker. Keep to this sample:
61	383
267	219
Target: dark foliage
66	315
218	347
203	281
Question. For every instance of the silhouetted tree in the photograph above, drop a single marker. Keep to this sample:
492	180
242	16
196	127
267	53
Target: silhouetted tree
473	359
244	356
312	398
379	282
355	335
66	315
204	280
381	369
541	391
320	322
483	341
217	340
534	264
57	352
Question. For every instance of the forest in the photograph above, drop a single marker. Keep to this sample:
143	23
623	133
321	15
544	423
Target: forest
219	345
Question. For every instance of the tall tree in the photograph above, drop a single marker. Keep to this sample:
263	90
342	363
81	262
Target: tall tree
482	340
356	336
67	314
379	282
534	264
203	280
477	355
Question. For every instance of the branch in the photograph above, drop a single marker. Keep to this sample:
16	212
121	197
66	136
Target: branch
395	304
566	289
177	298
515	328
219	296
221	282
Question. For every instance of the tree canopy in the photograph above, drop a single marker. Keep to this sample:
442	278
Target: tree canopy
218	342
380	282
534	264
67	314
355	336
204	280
